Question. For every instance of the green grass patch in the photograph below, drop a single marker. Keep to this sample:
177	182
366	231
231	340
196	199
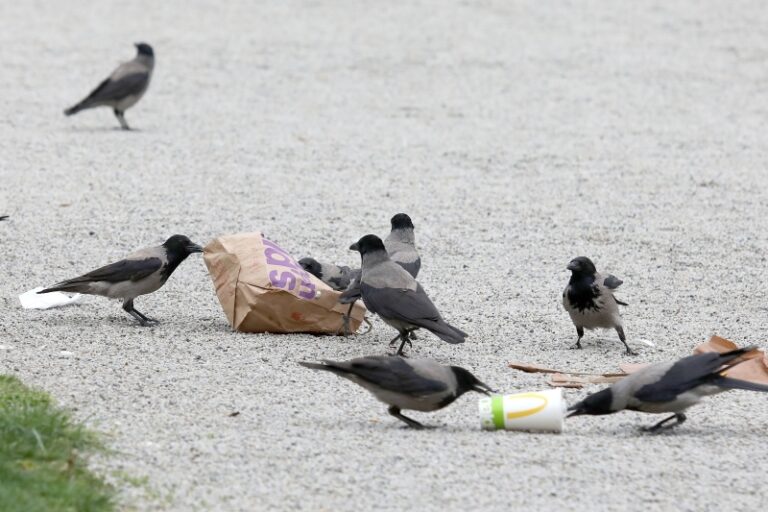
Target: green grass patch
42	456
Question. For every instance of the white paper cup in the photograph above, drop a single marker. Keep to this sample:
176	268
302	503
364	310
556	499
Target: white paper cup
540	411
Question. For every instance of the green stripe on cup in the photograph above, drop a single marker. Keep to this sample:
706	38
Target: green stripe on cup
497	411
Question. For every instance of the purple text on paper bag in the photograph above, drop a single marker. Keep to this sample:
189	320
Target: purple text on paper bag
291	277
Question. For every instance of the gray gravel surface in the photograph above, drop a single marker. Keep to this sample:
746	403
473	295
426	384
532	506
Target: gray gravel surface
516	134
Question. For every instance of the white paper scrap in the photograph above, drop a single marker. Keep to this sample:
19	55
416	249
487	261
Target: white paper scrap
33	300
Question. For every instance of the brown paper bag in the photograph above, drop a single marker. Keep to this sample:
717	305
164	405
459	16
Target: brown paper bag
263	289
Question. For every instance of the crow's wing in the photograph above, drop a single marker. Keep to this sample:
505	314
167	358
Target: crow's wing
123	270
352	293
113	90
411	267
391	373
401	304
686	374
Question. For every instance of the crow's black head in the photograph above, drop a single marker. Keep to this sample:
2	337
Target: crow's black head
582	265
368	244
312	266
401	221
145	49
468	382
595	404
181	246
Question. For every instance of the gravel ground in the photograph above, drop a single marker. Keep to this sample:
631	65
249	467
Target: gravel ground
516	134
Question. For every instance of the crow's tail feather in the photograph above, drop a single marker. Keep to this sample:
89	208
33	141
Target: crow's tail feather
76	108
729	383
67	286
445	331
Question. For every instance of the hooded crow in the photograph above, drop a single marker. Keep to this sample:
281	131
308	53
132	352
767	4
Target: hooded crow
338	278
392	293
669	387
401	244
141	272
124	87
335	276
590	302
414	384
401	247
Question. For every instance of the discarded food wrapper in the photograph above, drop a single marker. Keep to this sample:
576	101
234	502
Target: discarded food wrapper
540	411
34	300
262	288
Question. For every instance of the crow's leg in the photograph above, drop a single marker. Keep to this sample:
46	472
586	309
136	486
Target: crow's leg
369	324
404	336
620	332
128	308
580	332
121	117
143	319
395	411
678	416
345	320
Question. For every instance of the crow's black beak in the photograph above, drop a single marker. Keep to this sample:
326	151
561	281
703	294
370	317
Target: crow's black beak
483	388
192	248
575	412
354	247
573	266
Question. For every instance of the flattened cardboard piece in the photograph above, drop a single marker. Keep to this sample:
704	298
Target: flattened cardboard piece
632	367
560	380
563	379
262	288
754	365
531	368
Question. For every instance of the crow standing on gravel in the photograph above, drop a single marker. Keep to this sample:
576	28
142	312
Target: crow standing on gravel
414	384
124	87
392	293
401	244
141	272
669	387
590	302
401	247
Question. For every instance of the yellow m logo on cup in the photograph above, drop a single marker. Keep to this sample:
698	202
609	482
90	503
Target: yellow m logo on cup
531	410
517	406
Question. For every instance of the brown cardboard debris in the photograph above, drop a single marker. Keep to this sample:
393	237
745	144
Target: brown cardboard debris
563	379
263	289
632	367
531	368
753	367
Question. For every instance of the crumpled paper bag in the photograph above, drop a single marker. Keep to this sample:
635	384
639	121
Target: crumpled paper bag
262	288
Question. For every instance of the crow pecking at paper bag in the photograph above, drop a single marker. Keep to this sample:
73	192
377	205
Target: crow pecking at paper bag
263	289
